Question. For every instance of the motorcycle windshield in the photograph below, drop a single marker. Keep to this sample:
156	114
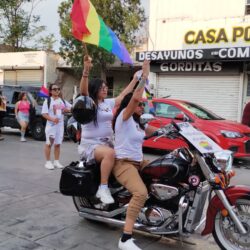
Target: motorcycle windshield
199	140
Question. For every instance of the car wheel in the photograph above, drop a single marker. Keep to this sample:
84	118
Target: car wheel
38	130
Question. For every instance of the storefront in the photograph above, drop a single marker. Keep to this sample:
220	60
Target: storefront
214	78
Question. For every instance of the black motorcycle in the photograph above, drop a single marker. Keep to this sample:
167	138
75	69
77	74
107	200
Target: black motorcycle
179	185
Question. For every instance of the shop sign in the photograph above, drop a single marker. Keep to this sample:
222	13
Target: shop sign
233	53
217	36
196	67
191	67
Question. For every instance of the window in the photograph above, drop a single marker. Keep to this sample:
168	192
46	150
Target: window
200	112
15	97
247	9
166	110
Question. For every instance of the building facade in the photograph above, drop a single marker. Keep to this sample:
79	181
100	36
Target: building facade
36	68
200	52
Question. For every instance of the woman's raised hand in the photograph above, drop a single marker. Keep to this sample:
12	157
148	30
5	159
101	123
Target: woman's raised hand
87	65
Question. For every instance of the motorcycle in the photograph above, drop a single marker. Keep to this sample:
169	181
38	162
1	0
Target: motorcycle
181	185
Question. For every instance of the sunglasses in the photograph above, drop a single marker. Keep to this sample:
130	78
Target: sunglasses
141	104
56	89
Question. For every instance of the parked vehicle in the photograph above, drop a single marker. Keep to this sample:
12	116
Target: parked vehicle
179	184
37	122
228	134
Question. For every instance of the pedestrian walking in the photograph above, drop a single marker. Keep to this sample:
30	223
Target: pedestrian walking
53	111
2	112
22	109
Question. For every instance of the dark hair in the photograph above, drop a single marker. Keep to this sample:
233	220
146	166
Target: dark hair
21	95
94	87
124	103
50	87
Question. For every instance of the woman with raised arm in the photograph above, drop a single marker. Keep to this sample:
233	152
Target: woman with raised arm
129	135
97	135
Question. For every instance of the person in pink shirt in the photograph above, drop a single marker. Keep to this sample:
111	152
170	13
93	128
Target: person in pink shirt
22	109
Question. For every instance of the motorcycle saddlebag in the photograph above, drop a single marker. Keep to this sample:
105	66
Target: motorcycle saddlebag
77	181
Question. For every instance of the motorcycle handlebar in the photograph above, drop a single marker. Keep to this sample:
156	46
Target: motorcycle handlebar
156	133
167	130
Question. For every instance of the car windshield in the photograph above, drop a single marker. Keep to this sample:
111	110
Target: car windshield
200	112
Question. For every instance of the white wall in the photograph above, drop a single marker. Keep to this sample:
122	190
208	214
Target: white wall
22	59
170	20
1	77
50	69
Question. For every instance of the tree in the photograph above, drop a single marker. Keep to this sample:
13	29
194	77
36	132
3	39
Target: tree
18	24
46	43
124	17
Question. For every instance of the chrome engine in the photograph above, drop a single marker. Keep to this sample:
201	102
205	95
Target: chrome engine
163	192
154	216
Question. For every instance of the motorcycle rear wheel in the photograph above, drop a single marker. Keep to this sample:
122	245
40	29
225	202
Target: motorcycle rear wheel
226	234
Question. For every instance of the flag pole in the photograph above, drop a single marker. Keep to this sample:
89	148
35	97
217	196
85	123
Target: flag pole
85	49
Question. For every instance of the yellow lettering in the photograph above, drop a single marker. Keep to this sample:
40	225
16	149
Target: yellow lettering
189	37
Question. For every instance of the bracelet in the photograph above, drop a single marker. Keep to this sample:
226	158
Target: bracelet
85	75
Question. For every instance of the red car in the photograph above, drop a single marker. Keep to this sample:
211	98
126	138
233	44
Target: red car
228	134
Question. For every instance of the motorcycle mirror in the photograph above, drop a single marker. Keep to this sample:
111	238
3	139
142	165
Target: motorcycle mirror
145	118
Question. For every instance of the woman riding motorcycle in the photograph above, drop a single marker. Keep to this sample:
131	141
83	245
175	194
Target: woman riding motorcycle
97	135
129	135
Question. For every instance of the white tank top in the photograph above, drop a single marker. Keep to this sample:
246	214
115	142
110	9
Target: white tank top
128	139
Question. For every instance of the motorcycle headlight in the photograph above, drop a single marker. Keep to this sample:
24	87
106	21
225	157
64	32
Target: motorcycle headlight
231	134
223	160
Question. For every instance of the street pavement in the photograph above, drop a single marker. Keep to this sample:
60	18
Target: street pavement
34	215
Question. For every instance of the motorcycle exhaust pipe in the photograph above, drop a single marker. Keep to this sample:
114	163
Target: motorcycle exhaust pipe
120	223
112	221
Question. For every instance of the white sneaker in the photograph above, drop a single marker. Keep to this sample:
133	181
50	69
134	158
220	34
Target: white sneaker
128	245
49	165
23	139
57	164
104	195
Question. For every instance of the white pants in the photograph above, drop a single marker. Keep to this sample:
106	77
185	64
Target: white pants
54	132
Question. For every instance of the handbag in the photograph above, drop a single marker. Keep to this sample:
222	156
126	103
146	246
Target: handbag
80	181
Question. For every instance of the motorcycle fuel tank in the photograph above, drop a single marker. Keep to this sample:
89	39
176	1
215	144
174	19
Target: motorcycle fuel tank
169	167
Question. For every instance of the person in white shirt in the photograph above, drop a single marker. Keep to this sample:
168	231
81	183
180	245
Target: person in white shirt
129	136
53	111
97	136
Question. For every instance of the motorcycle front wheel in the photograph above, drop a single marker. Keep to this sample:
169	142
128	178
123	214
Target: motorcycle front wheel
225	232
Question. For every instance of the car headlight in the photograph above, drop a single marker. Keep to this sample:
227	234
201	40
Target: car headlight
231	134
223	160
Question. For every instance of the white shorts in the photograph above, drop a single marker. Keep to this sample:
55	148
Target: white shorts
87	147
55	132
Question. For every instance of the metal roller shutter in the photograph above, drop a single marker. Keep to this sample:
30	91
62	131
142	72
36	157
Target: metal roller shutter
219	94
10	77
23	77
30	77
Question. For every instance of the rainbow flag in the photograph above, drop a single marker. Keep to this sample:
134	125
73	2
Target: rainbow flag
43	92
88	26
